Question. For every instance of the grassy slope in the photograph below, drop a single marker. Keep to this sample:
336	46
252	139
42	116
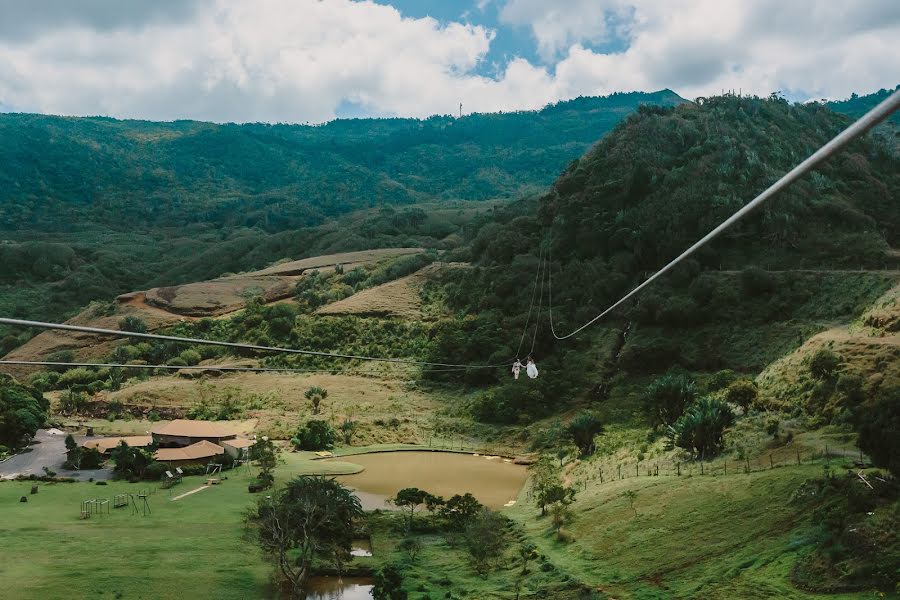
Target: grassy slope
715	537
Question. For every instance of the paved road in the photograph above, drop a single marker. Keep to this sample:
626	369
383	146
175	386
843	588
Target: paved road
51	453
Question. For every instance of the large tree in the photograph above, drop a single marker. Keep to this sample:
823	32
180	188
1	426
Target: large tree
22	411
310	519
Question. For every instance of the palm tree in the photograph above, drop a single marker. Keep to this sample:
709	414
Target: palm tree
315	395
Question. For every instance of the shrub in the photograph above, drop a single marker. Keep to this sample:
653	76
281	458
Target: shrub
389	584
824	363
666	398
190	357
756	281
701	428
315	435
721	380
878	424
742	392
132	324
850	385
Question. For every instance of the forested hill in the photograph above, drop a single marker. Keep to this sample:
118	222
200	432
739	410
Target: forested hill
658	182
57	173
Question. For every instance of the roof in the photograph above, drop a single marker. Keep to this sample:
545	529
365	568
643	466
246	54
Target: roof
239	442
201	429
201	449
106	444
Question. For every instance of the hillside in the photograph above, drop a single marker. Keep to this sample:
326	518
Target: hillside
96	170
95	207
776	346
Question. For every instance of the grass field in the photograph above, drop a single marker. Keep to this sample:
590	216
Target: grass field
712	537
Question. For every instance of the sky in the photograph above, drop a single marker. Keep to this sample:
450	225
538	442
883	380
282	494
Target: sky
314	60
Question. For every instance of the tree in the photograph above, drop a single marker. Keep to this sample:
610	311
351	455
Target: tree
315	435
72	402
411	546
631	496
388	584
433	504
878	424
824	363
459	511
527	552
701	428
560	514
555	494
315	395
311	519
742	392
348	430
544	474
666	398
582	430
22	411
131	463
133	324
410	498
265	455
486	539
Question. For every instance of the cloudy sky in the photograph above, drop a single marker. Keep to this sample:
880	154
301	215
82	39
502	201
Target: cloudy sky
313	60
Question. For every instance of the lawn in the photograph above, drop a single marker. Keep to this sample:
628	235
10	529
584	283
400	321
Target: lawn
190	548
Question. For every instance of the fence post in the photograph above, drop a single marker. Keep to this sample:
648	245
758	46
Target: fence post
637	467
798	457
747	458
601	475
771	462
678	468
620	471
726	467
701	467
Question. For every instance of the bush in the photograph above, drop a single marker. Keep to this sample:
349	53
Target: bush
315	435
190	357
721	380
132	324
824	363
756	281
701	428
878	424
742	392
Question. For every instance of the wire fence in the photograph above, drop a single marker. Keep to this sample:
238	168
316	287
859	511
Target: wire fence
609	470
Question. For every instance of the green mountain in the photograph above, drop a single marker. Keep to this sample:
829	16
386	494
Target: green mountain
94	207
58	173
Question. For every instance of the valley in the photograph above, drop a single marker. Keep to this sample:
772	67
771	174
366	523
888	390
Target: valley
727	435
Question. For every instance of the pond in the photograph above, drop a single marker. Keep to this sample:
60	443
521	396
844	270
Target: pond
493	481
339	588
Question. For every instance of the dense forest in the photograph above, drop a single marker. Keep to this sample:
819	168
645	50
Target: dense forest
94	207
659	181
60	173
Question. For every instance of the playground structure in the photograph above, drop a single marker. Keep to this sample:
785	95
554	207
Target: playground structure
94	506
98	506
170	479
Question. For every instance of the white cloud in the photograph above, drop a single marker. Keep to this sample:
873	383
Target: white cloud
298	60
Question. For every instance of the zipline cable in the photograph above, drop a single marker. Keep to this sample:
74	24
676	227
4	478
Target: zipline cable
45	363
537	322
184	340
866	122
531	305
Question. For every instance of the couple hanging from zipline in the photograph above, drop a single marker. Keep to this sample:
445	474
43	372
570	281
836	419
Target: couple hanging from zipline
530	368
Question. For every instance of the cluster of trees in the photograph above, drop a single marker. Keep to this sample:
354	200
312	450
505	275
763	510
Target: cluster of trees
483	531
79	457
693	421
310	520
549	492
23	410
